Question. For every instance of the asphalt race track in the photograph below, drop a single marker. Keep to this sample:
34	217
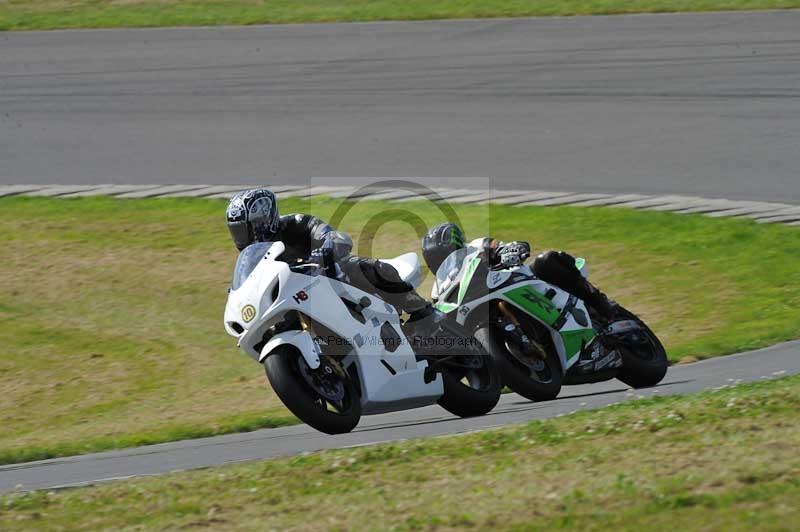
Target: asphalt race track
705	105
768	363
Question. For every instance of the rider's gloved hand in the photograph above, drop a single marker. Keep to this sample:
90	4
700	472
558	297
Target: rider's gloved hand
322	256
508	259
513	253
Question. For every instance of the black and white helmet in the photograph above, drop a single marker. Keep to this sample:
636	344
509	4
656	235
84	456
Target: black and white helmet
440	242
253	217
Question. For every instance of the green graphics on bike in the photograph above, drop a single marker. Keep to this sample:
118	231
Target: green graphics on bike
468	273
441	306
575	340
535	303
540	306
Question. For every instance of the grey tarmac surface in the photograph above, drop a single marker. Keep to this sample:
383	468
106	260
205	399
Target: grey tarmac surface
767	363
703	104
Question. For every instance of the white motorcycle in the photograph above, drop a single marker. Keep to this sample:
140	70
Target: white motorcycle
333	352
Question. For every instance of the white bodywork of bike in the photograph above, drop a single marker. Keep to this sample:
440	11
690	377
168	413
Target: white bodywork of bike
261	298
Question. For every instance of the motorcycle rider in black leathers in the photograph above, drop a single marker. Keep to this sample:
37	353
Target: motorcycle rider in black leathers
252	216
555	267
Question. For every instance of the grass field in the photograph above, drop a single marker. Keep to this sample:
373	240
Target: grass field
111	312
723	460
50	14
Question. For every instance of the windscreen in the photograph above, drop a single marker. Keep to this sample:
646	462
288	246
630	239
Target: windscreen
448	271
247	262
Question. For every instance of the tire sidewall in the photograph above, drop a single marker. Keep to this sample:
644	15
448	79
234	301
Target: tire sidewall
637	372
511	375
465	401
292	390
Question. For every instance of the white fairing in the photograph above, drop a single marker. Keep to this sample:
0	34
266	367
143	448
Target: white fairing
272	290
302	340
407	265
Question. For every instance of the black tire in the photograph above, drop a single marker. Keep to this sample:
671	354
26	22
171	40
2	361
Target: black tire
642	367
283	369
515	375
473	392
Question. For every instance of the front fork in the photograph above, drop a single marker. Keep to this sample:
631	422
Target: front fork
328	363
518	341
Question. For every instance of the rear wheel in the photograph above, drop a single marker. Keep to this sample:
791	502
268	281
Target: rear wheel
644	359
537	380
471	384
325	398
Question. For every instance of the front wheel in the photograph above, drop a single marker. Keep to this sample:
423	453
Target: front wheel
644	359
471	384
324	398
538	381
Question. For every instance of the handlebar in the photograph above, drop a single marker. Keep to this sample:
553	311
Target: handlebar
319	269
298	266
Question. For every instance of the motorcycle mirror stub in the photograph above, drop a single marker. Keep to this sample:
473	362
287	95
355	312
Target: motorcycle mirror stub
275	250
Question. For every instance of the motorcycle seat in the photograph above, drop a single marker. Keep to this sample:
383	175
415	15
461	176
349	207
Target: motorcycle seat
407	265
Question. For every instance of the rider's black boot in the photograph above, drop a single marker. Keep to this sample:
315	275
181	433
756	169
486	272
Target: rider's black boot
597	300
422	325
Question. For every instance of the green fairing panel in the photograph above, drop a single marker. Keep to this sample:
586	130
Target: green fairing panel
575	340
534	303
445	307
467	278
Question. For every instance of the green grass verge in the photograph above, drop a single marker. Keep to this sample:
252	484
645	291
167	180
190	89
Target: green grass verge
51	14
111	310
723	460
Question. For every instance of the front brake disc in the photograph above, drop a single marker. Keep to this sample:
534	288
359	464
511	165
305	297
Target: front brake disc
324	380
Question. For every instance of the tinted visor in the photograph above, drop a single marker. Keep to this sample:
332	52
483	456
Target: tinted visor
241	234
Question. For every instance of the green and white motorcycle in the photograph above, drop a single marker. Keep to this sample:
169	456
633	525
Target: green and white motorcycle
541	336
